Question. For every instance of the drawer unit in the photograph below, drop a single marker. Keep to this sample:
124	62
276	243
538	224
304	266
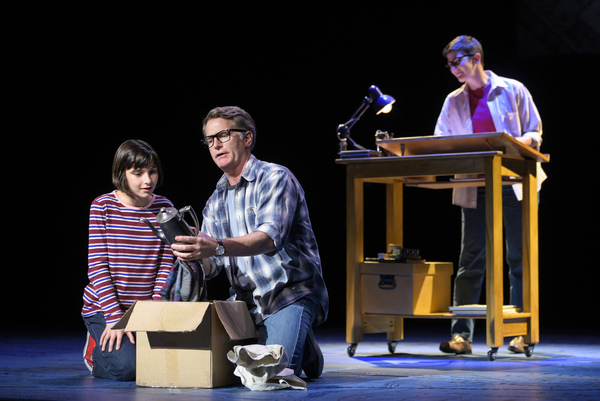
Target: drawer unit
406	288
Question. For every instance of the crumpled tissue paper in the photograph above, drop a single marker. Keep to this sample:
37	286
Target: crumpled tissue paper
264	367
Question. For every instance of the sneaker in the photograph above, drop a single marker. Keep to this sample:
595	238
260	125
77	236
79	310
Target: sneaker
517	345
88	350
314	366
457	345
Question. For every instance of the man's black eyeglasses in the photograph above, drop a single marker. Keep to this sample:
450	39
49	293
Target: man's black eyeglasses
223	136
457	60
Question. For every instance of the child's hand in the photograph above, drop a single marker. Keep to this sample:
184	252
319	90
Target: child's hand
114	338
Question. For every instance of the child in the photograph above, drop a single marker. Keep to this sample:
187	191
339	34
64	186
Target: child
126	261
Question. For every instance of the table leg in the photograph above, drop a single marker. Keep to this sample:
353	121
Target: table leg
494	252
354	255
531	253
395	213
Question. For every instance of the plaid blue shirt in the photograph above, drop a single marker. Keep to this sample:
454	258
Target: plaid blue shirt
268	198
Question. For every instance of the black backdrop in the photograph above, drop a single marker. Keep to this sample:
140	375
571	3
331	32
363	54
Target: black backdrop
83	77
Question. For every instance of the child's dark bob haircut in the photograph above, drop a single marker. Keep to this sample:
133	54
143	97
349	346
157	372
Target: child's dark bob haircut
133	153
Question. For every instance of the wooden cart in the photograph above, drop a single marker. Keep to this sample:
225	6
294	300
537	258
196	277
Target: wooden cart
428	162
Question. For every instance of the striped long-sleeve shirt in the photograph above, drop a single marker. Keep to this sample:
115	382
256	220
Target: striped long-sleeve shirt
126	261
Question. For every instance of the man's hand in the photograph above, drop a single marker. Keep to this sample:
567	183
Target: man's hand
203	246
193	248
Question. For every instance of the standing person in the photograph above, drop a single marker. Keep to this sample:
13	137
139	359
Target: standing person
485	102
256	226
126	261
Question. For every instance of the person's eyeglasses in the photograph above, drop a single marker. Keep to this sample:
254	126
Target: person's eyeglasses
223	136
457	60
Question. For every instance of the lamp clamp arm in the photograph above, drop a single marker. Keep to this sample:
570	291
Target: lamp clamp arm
344	129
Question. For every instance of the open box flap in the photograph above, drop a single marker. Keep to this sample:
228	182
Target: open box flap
163	316
236	319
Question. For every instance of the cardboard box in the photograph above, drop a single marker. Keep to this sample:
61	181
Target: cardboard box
406	288
185	344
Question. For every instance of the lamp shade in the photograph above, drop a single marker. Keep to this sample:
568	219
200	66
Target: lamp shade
381	103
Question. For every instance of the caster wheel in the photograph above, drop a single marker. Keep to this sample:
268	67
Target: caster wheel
352	349
529	350
492	354
392	346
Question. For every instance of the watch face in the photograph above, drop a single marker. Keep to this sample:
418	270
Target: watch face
220	250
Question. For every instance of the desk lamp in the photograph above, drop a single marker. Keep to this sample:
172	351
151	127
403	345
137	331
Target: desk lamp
383	104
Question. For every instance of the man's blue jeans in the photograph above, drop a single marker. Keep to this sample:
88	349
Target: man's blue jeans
292	328
116	365
472	263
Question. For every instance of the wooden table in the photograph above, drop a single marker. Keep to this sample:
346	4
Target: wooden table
424	161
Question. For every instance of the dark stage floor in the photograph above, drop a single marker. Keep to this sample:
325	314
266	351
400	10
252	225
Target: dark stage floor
561	368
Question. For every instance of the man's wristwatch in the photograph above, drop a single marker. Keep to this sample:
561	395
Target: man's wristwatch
220	249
